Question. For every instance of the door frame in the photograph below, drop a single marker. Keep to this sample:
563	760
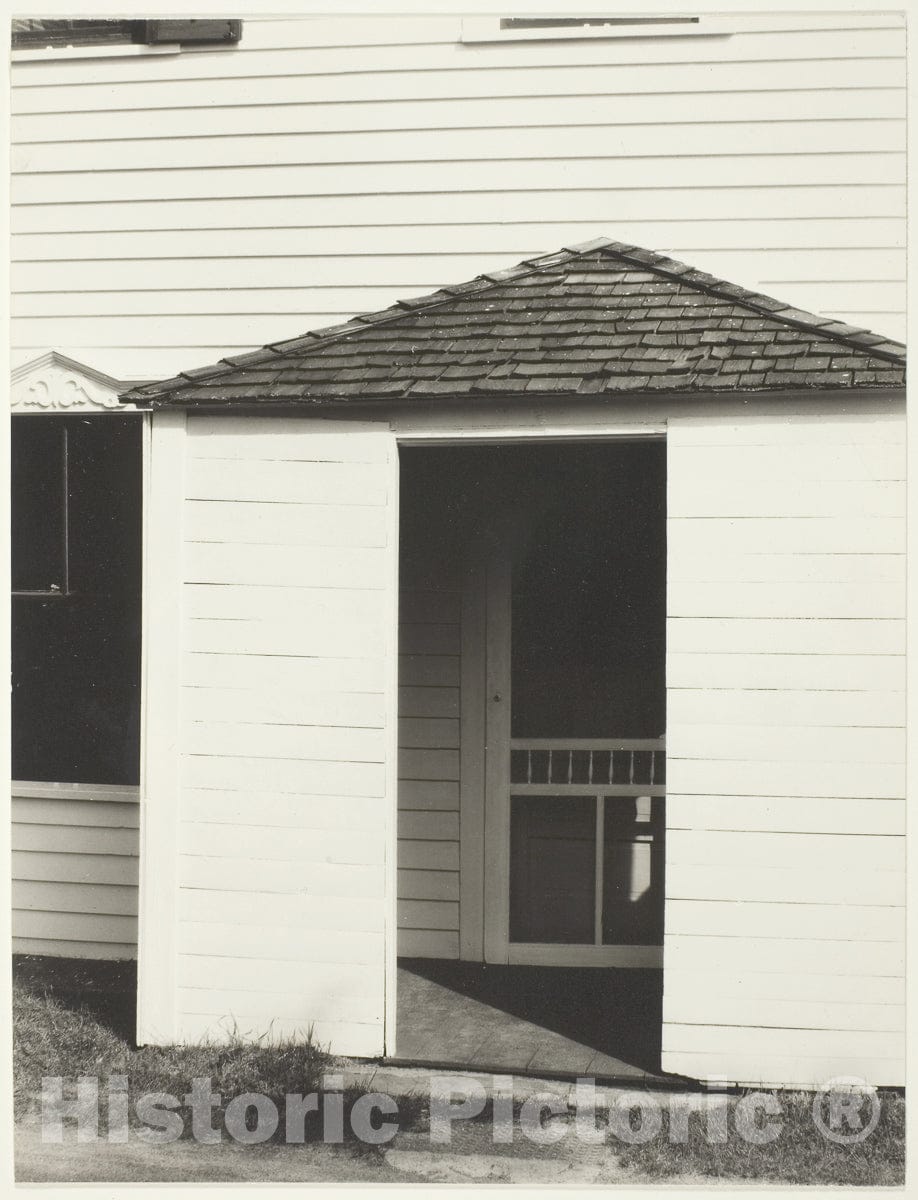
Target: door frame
484	846
497	700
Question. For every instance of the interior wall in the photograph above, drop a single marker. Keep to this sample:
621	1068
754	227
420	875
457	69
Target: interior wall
430	582
428	766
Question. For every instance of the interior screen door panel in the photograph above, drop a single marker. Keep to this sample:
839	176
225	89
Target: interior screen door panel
584	563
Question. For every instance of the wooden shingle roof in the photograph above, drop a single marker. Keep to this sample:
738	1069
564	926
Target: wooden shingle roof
600	318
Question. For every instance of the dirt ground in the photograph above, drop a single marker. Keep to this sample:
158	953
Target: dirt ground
471	1158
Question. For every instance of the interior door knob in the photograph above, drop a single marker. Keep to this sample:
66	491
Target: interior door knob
497	696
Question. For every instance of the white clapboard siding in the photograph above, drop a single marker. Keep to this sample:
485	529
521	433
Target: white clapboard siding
52	898
778	1014
781	671
790	599
772	1056
522	239
74	870
329	991
717	497
810	985
616	55
428	738
324	742
188	78
786	814
787	885
352	709
171	209
330	879
803	851
811	743
638	206
779	778
287	672
239	809
785	747
699	706
731	1065
790	568
874	104
870	923
257	942
296	844
576	141
780	957
399	177
787	635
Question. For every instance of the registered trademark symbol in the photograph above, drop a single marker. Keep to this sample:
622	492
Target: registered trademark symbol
838	1110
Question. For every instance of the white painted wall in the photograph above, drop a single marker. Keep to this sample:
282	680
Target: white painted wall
785	885
74	870
171	209
283	703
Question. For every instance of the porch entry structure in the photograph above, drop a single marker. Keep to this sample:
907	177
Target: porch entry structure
551	560
284	860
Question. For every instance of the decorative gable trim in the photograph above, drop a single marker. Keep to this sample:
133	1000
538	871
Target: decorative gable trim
54	383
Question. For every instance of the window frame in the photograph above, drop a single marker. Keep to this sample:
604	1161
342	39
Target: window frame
492	29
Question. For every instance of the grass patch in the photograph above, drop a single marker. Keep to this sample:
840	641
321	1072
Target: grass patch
62	1028
73	1018
799	1154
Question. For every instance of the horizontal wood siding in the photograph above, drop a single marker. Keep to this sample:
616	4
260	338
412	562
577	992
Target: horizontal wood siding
74	870
785	880
288	605
170	209
428	757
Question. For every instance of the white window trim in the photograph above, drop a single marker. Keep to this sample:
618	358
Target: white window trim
488	29
40	790
116	50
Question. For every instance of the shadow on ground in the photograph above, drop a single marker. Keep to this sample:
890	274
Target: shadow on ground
106	990
615	1011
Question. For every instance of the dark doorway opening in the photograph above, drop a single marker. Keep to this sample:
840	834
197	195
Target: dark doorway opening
567	541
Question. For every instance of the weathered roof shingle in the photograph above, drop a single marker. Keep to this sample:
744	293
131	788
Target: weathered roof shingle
600	318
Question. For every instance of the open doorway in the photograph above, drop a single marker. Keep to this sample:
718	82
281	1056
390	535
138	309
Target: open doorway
532	755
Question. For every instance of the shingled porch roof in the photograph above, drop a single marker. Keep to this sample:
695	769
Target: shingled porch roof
603	318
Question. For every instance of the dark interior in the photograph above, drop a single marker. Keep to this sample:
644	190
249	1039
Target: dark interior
76	605
587	523
585	527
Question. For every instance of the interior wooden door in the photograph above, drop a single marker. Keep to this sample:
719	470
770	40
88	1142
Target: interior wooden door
574	819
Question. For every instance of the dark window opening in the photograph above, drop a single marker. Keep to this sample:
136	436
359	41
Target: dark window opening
76	606
590	22
37	33
39	466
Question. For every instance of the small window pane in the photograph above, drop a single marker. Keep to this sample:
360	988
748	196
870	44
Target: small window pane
38	504
552	869
632	903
